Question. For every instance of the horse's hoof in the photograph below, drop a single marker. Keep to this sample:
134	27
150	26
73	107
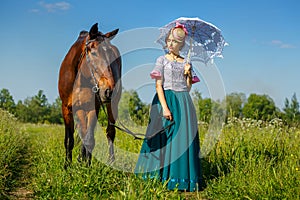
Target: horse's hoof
66	165
79	159
89	163
111	159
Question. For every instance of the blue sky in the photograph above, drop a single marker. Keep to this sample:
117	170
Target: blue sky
263	55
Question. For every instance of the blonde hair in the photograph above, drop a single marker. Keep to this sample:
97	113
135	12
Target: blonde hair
179	31
178	34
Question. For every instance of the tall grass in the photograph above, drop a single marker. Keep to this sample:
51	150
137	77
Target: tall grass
13	154
251	160
254	160
51	181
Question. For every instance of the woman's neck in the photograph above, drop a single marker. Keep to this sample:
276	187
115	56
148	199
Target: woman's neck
174	57
174	54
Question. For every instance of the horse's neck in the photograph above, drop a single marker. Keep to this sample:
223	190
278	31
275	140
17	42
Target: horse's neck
80	54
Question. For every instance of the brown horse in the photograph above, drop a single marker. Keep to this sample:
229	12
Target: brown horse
89	78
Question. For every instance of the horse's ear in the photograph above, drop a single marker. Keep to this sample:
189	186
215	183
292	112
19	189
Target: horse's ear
112	34
93	31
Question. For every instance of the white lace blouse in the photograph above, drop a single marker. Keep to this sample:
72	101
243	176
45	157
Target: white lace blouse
172	74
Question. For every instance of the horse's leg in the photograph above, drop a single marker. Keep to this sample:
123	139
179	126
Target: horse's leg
87	123
89	140
110	132
82	127
69	134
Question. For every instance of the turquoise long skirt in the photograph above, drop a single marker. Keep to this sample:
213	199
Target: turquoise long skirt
172	155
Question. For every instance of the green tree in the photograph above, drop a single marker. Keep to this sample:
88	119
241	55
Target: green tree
55	115
139	111
132	109
123	110
34	109
205	109
6	101
196	96
22	112
291	111
218	112
39	107
259	107
234	104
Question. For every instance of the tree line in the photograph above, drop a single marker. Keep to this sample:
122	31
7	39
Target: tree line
257	107
34	109
37	109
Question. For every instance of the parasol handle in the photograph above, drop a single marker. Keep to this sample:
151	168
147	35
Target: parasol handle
190	49
189	56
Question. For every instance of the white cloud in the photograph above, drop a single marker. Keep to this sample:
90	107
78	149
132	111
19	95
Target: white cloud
53	7
282	45
34	10
276	42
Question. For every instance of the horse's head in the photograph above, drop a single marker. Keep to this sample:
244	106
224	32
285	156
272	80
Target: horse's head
100	61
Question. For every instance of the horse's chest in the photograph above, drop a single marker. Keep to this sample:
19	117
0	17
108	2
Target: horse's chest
83	98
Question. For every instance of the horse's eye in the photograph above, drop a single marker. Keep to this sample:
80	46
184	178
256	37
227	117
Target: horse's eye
93	45
94	53
101	39
90	47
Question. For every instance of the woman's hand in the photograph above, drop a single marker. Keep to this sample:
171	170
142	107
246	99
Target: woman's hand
167	114
188	74
187	69
160	92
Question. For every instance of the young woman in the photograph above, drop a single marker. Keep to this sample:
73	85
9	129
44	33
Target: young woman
172	155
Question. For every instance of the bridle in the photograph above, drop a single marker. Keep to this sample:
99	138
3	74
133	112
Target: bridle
96	89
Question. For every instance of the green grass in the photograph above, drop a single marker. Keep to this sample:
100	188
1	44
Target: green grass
14	154
255	160
99	181
251	160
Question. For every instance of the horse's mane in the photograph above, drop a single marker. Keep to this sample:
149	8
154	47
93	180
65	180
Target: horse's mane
76	51
83	34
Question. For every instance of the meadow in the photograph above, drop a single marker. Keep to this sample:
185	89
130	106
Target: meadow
251	160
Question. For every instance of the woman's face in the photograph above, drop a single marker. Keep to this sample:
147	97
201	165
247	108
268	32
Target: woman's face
173	45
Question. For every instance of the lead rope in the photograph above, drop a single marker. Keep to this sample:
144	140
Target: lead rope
126	130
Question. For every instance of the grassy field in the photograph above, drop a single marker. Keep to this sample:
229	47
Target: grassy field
251	160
